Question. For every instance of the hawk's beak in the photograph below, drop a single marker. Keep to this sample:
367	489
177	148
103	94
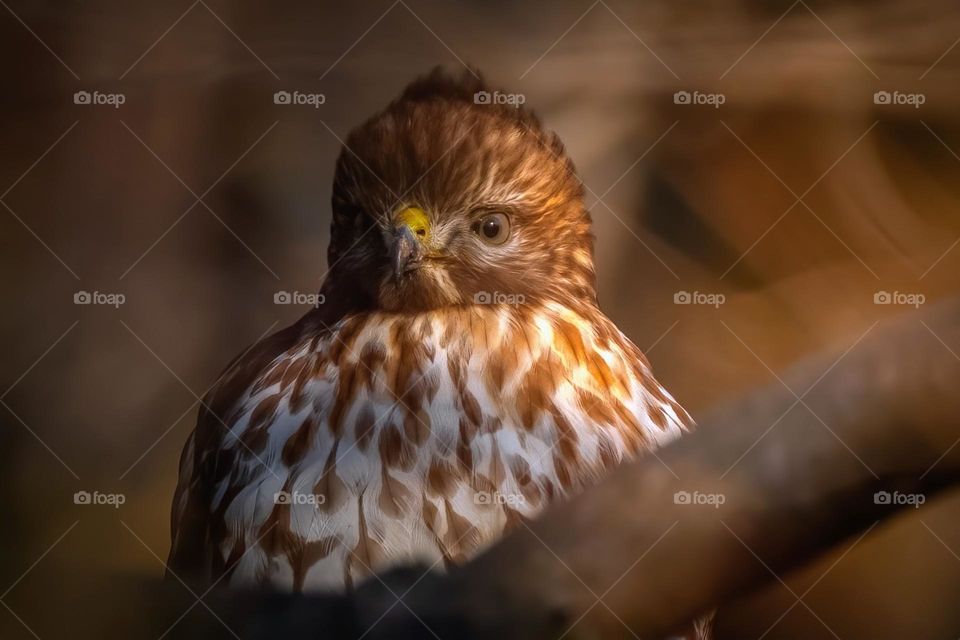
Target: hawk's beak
406	250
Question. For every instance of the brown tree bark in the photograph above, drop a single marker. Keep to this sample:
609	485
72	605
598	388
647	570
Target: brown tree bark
626	559
878	421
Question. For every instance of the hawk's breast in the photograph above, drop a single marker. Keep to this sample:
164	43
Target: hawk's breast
394	438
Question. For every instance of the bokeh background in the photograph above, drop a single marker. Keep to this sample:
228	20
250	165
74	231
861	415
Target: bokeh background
798	200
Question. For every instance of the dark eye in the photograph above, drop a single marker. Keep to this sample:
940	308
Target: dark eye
493	228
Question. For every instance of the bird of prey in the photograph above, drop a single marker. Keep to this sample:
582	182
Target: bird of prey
458	377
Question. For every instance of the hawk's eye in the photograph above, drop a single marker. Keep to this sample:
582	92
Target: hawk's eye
493	228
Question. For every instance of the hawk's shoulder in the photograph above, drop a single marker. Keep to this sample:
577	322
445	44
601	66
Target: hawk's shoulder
200	463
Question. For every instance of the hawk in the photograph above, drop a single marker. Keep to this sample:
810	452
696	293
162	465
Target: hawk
458	377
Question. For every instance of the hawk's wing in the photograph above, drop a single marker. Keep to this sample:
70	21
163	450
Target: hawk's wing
203	461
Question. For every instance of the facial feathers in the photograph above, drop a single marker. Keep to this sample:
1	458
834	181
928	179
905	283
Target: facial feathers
439	149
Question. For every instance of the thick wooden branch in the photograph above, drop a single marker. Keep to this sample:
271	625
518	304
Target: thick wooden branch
796	471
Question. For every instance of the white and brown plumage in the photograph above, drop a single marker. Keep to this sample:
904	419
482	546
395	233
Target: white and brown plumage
459	377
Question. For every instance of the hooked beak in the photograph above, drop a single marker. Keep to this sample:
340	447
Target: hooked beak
412	227
405	251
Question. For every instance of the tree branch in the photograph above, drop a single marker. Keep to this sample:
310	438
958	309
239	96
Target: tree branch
795	472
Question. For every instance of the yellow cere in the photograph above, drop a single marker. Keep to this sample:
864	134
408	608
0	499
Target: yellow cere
416	220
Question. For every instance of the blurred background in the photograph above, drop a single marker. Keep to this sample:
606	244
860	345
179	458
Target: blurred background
767	179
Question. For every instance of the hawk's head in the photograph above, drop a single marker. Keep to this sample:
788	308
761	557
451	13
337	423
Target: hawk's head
454	195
